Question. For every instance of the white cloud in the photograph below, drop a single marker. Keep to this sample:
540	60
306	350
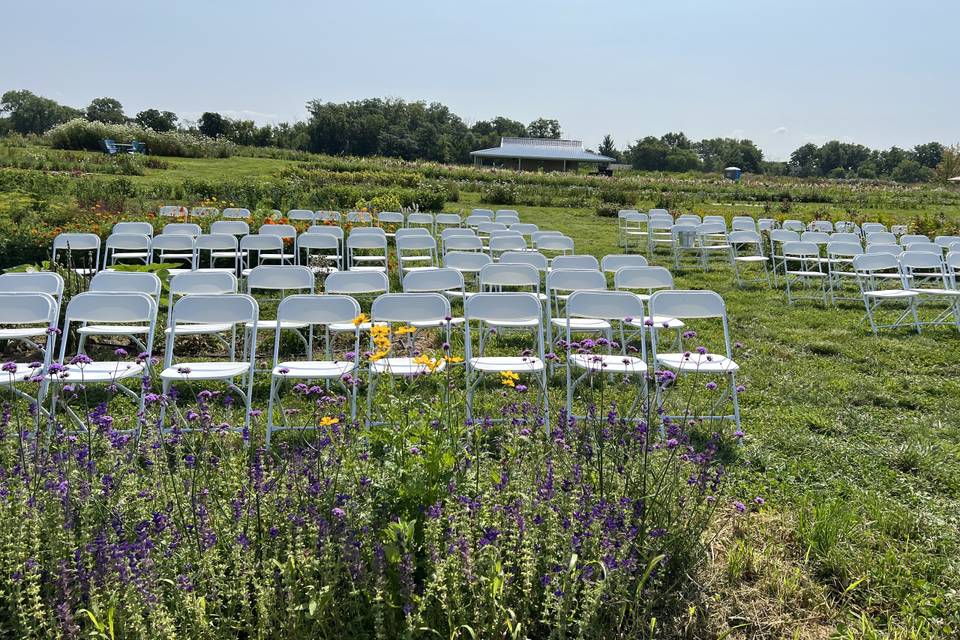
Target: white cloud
780	131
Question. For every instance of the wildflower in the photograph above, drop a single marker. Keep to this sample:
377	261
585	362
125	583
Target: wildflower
428	363
739	506
34	365
338	513
414	451
120	352
658	532
521	388
445	346
328	421
701	350
508	378
283	371
404	330
361	319
80	359
759	501
711	386
453	359
550	357
183	370
54	331
741	388
10	367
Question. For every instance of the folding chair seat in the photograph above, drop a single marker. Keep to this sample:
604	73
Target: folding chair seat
95	308
232	309
879	280
121	282
697	305
747	249
216	246
87	245
318	251
313	311
802	266
288	234
416	253
504	309
373	243
235	212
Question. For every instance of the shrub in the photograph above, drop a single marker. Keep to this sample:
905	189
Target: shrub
608	209
83	135
499	193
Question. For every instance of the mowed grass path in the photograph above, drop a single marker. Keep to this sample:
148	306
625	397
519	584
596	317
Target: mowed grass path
854	443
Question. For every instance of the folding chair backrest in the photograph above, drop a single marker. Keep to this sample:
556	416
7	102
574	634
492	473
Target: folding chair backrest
282	230
435	280
712	227
109	308
181	229
881	237
801	249
127	241
766	224
416	243
261	242
503	307
688	218
743	224
625	213
604	305
420	218
485	213
322	310
643	278
824	226
172	242
953	260
946	241
410	307
22	308
533	258
447	218
202	282
880	261
474	221
235	212
332	216
507	243
890	248
616	261
466	260
280	278
911	261
509	275
927	247
390	217
845	226
844	249
202	212
357	282
361	217
553	242
367	241
216	242
784	235
368	231
301	214
462	243
486	227
687	304
716	219
659	212
412	231
76	242
140	228
794	225
172	211
872	227
744	237
127	282
229	308
580	261
817	237
844	236
913	238
575	280
230	227
526	228
449	233
317	241
46	282
328	229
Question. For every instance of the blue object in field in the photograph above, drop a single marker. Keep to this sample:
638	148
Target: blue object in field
732	173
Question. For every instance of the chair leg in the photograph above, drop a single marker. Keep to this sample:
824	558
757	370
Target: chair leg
735	398
273	390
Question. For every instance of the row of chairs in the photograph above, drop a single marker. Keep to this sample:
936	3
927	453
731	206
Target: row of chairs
212	306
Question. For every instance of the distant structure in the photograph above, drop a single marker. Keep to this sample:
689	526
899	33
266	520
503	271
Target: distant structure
536	154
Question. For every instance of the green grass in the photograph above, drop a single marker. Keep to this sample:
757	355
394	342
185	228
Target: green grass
239	167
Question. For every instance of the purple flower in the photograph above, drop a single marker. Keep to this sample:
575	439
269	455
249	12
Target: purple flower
283	371
711	386
490	535
80	359
120	352
759	501
521	388
657	533
739	506
10	367
414	451
183	370
338	513
741	388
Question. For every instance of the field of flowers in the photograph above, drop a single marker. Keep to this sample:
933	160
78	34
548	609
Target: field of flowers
832	514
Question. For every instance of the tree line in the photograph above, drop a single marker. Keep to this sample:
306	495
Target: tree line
431	131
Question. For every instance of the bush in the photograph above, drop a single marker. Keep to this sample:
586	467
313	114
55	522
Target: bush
499	193
83	135
608	209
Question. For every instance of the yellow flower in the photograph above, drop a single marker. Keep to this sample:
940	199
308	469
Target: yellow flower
402	331
508	378
379	355
453	359
360	319
327	421
429	363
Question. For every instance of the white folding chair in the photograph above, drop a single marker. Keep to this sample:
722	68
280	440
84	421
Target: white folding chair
280	279
85	245
612	308
126	246
683	239
880	237
444	280
181	229
204	212
46	282
793	225
288	234
416	253
747	249
712	240
367	251
554	243
505	309
659	234
575	261
103	309
803	267
447	220
255	247
420	220
879	279
302	215
613	262
412	231
912	238
743	223
173	248
688	218
216	246
235	212
924	273
462	243
560	284
872	227
526	229
468	263
840	255
318	251
232	309
333	217
696	305
23	315
355	283
208	283
359	217
824	226
507	216
631	225
314	311
121	282
643	281
501	244
777	238
237	228
173	211
389	221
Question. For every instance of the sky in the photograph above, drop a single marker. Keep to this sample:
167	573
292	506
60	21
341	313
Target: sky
780	73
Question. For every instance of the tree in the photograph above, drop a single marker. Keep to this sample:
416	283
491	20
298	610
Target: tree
930	154
212	124
676	140
544	128
949	166
649	154
607	148
30	113
805	161
719	153
909	170
157	120
107	110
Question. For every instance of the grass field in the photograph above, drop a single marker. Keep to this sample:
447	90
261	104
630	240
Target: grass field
853	442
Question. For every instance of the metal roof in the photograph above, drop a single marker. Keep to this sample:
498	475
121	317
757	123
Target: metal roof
541	149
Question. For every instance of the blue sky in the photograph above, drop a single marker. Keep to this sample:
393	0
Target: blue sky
781	73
